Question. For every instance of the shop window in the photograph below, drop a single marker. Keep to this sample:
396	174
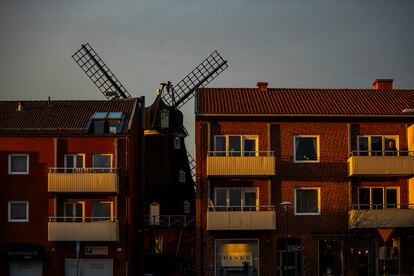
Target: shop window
236	145
18	163
377	145
378	197
18	211
307	201
306	149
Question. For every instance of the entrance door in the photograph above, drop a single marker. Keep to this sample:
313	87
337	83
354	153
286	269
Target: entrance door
292	265
25	268
89	267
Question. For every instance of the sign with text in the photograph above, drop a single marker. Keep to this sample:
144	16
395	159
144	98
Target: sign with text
236	259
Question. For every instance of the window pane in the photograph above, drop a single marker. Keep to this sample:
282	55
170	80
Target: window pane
377	198
221	199
249	147
390	146
100	115
18	210
363	145
250	200
235	198
69	161
220	146
307	201
391	198
101	161
234	146
376	145
18	163
363	198
306	148
101	210
79	161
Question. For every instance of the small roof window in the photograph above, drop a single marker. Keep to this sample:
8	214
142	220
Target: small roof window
100	115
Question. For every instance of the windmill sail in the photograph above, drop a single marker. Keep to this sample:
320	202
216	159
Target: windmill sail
202	75
99	73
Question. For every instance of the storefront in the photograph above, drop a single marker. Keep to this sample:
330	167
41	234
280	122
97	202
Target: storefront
237	257
25	260
89	267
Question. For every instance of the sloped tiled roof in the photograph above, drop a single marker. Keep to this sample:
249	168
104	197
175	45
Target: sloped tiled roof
66	117
298	101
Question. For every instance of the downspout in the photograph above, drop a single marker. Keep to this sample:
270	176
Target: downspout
142	181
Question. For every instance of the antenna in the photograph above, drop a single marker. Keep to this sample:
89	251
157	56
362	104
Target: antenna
99	73
202	75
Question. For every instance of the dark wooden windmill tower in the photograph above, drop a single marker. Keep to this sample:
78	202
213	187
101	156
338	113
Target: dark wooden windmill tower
169	202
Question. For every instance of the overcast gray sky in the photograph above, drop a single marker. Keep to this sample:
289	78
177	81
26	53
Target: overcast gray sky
288	43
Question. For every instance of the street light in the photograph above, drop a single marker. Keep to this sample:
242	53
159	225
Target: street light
286	204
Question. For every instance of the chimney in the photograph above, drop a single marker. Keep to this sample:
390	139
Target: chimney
262	86
383	84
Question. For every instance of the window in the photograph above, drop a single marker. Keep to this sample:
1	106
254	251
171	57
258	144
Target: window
377	197
177	143
377	145
236	199
307	201
236	145
158	244
102	162
73	162
181	176
18	164
106	122
306	149
18	211
102	210
74	211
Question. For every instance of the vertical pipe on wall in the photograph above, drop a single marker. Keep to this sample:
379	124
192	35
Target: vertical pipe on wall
349	139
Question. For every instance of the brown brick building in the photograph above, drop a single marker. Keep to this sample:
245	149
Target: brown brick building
70	187
305	181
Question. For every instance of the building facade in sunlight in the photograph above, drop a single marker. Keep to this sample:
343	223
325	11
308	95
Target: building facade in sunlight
305	181
70	179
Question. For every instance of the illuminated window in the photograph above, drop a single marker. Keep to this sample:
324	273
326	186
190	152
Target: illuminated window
236	145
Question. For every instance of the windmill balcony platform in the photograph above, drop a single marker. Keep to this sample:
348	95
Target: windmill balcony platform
170	221
83	180
259	163
241	218
381	216
398	163
83	229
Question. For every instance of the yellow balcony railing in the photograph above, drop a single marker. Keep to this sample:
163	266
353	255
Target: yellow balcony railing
381	216
83	180
241	218
381	164
240	164
82	229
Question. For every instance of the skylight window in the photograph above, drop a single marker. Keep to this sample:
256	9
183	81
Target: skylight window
106	122
115	115
100	115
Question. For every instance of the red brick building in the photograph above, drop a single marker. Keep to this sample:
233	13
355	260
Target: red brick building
305	181
70	187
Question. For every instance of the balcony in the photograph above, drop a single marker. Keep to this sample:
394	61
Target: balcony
394	164
234	218
82	229
235	164
400	216
83	180
169	221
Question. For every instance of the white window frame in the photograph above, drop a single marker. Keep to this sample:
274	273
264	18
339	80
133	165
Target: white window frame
396	137
319	201
318	153
384	196
72	202
27	163
74	154
242	139
10	219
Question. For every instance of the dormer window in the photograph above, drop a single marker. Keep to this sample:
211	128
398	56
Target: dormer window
106	122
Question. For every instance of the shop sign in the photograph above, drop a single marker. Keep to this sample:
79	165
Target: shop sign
96	250
236	259
24	252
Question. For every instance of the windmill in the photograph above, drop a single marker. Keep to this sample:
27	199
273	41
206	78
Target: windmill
169	168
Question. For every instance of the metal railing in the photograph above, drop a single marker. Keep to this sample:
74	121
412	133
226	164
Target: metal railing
241	153
170	220
83	170
253	208
381	153
83	219
381	206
